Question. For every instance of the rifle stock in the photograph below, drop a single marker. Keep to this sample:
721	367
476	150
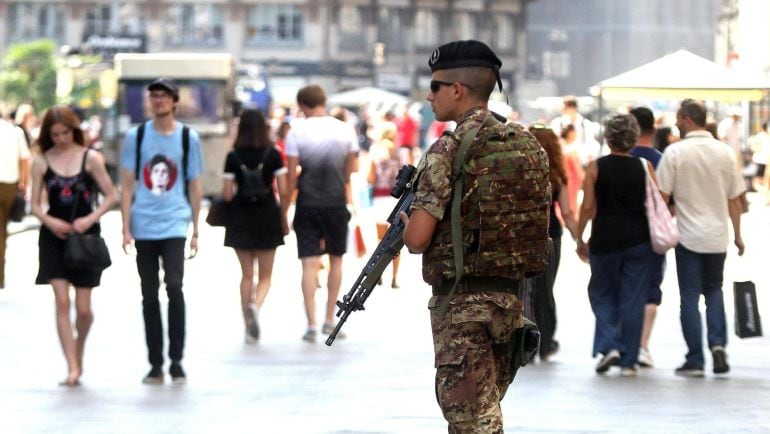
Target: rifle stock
388	248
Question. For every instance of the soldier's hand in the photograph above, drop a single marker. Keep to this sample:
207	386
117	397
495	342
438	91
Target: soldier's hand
404	218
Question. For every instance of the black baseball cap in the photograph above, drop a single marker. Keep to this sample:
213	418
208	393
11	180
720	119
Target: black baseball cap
167	84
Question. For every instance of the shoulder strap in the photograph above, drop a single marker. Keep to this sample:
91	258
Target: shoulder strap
185	156
139	138
458	179
79	186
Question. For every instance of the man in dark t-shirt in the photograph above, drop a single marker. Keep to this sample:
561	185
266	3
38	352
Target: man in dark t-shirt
644	149
326	149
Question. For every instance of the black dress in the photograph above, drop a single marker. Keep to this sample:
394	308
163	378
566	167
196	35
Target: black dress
61	198
254	226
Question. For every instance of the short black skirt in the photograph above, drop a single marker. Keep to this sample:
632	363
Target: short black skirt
52	266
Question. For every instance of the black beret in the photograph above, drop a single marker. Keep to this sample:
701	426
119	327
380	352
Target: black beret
461	54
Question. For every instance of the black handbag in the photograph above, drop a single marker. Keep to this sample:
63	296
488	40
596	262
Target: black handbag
18	209
85	251
747	322
219	211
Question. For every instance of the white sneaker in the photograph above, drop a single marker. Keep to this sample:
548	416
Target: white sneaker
248	338
628	372
645	359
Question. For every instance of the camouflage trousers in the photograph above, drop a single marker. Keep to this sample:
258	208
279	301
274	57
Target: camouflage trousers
470	379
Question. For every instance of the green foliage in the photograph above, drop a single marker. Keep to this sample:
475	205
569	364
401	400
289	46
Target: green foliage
29	74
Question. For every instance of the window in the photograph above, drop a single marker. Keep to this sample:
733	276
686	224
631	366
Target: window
123	18
98	20
275	26
465	25
351	28
504	32
427	31
392	30
29	21
130	19
195	25
201	102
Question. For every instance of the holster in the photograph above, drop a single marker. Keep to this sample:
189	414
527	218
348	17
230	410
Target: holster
522	346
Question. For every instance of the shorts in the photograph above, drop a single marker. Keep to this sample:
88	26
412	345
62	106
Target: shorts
654	294
761	170
321	230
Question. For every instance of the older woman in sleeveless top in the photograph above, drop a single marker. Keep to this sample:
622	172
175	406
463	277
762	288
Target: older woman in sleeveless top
619	250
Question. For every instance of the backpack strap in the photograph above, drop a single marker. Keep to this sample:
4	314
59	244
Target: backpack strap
139	139
458	179
185	157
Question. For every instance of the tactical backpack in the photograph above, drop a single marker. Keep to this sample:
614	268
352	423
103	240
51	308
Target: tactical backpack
252	188
503	188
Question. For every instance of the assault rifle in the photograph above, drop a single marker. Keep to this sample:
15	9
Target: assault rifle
386	250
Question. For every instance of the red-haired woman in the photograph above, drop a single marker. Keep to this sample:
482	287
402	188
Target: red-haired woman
70	174
545	305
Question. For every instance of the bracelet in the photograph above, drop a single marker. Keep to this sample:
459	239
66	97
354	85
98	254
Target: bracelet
195	235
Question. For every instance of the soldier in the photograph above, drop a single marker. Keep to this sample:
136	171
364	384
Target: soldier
474	309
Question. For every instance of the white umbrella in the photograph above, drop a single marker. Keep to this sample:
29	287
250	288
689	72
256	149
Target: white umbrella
376	98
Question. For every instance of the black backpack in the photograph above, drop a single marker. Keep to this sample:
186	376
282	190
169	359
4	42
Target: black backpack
253	189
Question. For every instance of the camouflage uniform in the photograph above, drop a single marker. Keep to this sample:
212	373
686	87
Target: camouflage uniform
470	379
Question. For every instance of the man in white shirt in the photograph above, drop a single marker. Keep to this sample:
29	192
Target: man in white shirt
14	172
730	131
585	130
326	149
701	173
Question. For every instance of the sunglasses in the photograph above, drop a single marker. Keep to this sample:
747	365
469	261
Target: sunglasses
435	85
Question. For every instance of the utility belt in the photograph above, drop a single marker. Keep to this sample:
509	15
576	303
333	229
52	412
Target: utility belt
471	284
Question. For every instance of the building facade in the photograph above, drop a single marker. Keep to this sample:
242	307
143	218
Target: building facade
340	44
576	44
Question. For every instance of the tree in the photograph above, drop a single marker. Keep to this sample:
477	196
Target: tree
29	74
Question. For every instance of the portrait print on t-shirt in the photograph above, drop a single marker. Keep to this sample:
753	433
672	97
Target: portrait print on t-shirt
160	174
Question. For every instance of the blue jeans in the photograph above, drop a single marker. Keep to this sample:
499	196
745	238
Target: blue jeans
617	292
701	273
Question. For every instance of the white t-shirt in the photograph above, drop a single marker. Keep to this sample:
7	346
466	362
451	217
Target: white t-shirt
322	144
13	148
701	174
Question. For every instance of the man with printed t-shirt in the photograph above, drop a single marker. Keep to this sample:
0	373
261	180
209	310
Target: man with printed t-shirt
161	195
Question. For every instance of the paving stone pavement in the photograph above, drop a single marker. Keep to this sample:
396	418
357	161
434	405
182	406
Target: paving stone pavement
378	380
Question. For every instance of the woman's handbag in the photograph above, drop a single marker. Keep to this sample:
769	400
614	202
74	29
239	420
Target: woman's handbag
219	211
663	231
85	251
18	209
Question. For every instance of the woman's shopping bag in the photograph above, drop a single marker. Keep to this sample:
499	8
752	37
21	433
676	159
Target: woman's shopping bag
663	231
356	243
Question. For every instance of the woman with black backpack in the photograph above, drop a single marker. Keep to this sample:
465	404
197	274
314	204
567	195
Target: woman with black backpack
257	222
